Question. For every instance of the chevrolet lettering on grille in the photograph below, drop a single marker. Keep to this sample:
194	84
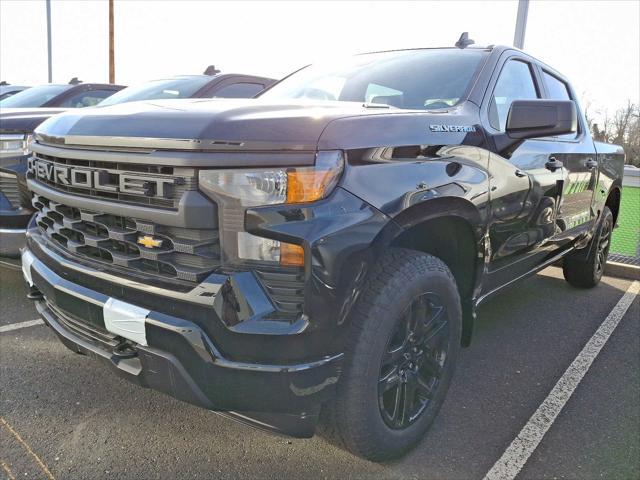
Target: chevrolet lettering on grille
101	179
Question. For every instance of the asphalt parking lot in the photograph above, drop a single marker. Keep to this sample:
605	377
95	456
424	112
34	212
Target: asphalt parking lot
67	416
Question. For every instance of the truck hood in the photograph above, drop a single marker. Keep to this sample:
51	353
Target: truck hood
233	124
24	120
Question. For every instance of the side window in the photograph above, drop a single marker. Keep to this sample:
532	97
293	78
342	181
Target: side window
239	90
88	98
558	90
515	83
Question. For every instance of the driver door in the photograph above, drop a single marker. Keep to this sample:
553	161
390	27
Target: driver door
524	192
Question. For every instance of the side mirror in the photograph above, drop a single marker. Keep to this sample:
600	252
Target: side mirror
535	119
541	118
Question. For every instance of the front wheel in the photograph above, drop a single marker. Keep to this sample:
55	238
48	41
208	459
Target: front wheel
400	357
586	271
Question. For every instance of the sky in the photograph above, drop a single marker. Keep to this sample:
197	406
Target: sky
596	44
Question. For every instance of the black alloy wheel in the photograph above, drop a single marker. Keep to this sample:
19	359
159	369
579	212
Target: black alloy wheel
414	360
584	267
604	242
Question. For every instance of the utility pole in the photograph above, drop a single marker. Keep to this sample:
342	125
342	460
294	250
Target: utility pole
112	65
50	72
521	23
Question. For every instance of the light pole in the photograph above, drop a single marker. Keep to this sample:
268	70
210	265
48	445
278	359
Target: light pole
521	23
49	41
112	64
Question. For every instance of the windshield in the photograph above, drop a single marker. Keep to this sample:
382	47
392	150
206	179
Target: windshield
169	88
410	79
34	97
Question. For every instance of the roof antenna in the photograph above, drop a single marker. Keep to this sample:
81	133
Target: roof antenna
464	41
74	81
211	70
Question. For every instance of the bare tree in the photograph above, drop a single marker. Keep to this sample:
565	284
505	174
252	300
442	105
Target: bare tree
587	115
621	122
632	145
623	128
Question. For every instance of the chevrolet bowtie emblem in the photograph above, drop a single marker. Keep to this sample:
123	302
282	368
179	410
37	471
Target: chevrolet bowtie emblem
149	242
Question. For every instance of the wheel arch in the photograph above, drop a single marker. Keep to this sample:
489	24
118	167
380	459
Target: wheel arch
451	229
613	202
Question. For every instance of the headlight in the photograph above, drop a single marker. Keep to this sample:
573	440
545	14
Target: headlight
15	143
234	190
273	186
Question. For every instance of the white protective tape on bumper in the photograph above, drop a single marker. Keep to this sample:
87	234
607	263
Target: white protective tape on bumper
27	261
126	320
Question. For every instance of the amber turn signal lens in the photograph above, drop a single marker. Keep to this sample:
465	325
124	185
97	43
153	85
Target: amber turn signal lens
309	185
291	255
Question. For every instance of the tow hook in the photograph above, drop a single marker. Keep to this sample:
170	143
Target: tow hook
34	293
124	350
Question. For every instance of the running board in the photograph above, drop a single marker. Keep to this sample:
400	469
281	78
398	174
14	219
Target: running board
542	266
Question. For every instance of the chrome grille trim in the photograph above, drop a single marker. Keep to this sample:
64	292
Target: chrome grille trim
10	187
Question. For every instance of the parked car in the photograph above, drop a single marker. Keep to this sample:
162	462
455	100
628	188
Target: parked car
211	84
324	247
75	94
20	114
16	125
6	90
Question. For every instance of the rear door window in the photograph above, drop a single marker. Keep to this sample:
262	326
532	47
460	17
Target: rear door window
558	90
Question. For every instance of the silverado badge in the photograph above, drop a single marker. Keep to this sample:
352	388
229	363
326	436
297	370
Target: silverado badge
452	128
149	242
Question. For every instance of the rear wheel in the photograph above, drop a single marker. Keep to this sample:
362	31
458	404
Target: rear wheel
586	271
400	358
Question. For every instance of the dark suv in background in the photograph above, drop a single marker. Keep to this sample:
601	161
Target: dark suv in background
7	90
16	126
20	114
211	84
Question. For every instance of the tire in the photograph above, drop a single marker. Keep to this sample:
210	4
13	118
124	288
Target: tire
584	269
368	415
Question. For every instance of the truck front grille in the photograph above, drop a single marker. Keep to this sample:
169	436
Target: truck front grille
171	252
10	187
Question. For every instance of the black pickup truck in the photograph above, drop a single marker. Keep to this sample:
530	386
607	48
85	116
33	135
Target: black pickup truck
318	253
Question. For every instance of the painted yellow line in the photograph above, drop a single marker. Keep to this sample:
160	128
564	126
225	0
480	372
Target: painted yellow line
40	463
7	469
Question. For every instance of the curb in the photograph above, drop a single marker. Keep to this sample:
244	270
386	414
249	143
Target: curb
622	270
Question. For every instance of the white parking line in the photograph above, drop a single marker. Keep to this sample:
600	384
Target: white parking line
10	265
18	326
517	454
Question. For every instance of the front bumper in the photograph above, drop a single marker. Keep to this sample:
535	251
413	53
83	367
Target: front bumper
220	343
177	357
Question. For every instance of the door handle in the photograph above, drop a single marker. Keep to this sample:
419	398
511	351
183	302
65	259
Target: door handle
591	163
553	164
